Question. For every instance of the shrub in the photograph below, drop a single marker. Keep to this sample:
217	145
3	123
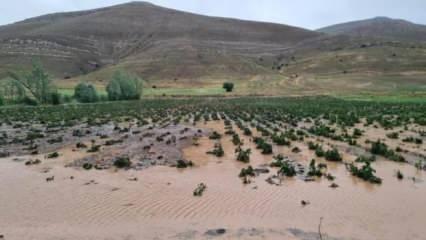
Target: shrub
399	175
393	135
249	171
366	172
236	139
124	87
333	155
243	155
364	159
184	164
287	169
55	98
217	151
53	155
280	140
87	166
85	93
122	162
198	192
29	101
379	148
215	135
228	86
263	145
314	170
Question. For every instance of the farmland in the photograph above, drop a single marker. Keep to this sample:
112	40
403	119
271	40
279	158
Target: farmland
172	160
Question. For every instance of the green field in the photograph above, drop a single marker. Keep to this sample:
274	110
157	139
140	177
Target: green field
149	92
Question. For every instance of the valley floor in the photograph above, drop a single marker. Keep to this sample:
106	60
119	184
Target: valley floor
158	202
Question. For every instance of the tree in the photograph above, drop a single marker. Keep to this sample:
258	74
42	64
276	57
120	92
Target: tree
85	93
35	84
228	86
124	86
1	100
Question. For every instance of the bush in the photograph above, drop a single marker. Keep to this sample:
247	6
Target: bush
1	100
243	155
85	93
184	164
263	145
249	171
87	166
287	169
379	148
228	86
55	98
29	101
124	87
366	172
333	155
314	170
122	162
215	136
217	151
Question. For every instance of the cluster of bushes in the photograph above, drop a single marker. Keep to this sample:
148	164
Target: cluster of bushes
413	140
217	150
280	140
380	148
247	172
330	155
316	170
263	145
366	172
333	155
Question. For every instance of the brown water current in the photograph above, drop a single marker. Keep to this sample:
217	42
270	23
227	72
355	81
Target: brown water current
160	204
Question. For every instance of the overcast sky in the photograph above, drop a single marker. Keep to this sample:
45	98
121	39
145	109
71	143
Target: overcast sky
310	14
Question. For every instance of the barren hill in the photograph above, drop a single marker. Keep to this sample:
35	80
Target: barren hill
380	27
145	35
171	48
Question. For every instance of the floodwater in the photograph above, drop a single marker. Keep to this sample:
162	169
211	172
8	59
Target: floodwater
160	204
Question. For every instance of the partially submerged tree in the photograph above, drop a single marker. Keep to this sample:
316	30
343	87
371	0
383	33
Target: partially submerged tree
35	84
124	86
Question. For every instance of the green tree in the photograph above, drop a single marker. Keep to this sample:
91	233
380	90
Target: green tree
85	93
228	86
35	84
124	86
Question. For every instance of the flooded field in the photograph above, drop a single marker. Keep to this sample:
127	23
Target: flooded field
154	196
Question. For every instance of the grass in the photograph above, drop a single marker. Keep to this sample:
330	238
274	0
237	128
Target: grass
393	97
148	92
183	91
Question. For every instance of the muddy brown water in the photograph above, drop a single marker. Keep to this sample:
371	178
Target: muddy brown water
160	205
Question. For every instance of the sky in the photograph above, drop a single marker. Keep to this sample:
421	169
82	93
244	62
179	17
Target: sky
310	14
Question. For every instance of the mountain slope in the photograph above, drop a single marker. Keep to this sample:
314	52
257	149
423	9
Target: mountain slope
156	41
380	27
